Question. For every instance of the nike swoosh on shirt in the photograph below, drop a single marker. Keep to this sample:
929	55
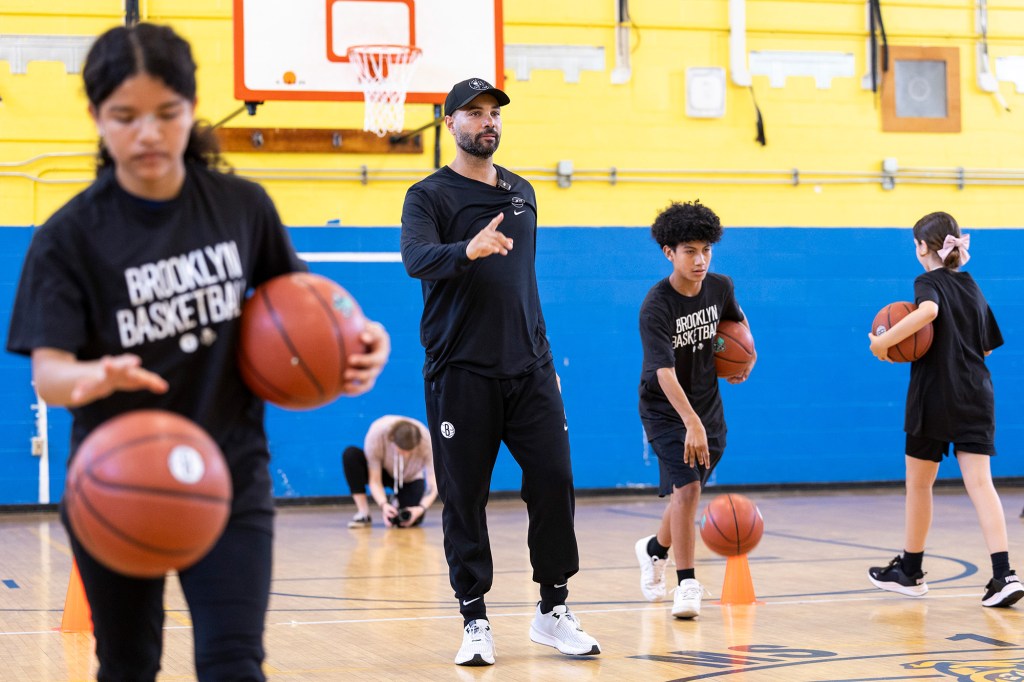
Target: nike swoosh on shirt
467	602
514	212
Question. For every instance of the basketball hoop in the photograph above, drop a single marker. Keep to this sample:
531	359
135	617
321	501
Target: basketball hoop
385	72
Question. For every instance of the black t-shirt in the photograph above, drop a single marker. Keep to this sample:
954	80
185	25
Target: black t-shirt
678	331
484	315
110	273
950	396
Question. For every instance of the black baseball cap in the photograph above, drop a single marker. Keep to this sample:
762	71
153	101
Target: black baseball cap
468	90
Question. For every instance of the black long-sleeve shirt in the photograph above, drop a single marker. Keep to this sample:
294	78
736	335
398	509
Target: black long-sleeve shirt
484	315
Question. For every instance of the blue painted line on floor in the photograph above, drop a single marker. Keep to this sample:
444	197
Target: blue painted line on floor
11	584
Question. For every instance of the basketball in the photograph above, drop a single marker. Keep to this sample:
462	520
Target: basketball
734	347
147	492
731	525
297	333
910	348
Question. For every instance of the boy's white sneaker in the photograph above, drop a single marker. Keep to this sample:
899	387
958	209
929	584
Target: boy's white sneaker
687	598
477	644
652	571
561	629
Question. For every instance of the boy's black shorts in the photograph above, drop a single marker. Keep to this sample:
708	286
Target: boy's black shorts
675	472
934	450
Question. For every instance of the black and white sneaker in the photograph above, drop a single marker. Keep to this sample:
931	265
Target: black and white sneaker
893	578
1003	591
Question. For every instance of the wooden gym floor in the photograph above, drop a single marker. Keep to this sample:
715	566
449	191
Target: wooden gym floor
373	604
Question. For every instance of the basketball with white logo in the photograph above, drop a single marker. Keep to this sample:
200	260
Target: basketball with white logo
148	492
914	346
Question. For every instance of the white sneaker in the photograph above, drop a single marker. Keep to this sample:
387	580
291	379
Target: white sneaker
652	571
686	602
360	521
562	630
477	644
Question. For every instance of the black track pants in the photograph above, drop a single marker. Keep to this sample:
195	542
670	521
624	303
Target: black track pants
469	416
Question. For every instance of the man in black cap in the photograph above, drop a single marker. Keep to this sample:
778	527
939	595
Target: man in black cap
489	375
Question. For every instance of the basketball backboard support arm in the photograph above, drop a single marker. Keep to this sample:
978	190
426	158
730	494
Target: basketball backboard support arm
437	137
436	125
248	106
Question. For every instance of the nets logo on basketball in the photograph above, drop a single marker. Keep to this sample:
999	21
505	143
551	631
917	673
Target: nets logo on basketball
343	304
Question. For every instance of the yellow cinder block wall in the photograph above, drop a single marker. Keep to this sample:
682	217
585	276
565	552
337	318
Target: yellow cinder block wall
639	125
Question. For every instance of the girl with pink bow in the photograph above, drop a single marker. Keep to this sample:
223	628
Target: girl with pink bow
938	416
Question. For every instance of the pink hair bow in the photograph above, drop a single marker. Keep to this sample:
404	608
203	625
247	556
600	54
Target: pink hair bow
951	242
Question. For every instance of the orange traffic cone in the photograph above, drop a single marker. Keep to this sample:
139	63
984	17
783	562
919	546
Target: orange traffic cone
738	587
77	614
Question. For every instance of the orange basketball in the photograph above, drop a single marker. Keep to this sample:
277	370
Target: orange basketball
731	525
297	333
910	348
733	346
147	492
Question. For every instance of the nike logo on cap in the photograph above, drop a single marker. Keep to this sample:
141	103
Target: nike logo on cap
514	212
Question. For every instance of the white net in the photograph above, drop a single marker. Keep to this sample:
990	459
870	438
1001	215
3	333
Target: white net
385	72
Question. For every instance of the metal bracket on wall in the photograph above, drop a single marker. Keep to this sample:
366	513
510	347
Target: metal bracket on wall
779	65
19	50
569	59
563	173
890	167
1011	70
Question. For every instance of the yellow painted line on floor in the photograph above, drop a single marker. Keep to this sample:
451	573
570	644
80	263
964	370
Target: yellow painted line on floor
179	617
63	548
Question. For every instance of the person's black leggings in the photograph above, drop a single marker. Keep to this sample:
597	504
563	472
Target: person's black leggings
357	474
227	594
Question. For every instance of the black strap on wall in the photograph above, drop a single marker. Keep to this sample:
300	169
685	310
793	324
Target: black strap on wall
876	28
131	12
760	120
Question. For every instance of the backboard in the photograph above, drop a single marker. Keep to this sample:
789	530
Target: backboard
297	49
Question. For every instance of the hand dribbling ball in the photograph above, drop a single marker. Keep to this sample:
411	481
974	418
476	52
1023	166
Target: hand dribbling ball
731	525
734	348
297	333
147	492
911	348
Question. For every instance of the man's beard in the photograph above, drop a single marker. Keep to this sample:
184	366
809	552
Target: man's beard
481	150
